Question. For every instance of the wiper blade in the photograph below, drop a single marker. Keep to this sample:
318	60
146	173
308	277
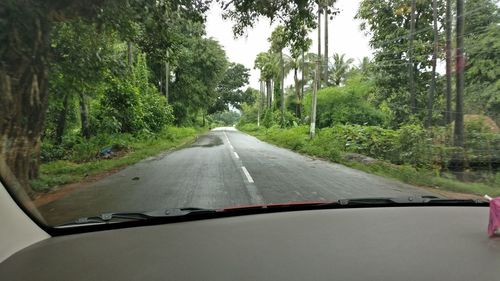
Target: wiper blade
108	218
411	200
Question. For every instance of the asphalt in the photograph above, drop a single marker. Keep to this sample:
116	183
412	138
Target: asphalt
223	168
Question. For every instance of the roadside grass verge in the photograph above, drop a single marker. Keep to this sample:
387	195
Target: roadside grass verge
323	146
59	172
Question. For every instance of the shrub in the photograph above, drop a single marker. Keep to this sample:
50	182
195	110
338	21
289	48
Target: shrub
346	105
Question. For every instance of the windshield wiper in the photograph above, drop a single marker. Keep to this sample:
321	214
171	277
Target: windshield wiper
412	200
174	214
108	218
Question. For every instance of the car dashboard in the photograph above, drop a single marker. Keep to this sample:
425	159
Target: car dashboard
394	243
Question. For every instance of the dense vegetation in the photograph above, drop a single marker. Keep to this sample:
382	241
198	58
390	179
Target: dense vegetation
84	80
79	79
394	107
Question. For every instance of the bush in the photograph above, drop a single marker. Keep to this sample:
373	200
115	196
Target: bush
50	152
248	127
268	119
156	112
346	105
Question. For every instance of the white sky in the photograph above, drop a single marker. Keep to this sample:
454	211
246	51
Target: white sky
344	37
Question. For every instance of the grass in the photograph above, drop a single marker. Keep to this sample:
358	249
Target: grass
297	139
61	172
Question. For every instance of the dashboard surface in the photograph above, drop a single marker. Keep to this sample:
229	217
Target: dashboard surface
402	243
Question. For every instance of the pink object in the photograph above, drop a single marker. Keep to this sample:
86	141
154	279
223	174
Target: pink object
494	225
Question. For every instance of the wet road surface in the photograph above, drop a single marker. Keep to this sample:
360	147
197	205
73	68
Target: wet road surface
224	167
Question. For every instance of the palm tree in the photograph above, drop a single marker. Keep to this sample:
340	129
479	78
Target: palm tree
295	63
328	4
339	68
269	65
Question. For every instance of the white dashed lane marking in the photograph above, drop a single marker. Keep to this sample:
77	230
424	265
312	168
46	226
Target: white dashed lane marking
247	174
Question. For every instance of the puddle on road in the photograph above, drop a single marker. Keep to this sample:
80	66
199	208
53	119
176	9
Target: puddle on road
208	141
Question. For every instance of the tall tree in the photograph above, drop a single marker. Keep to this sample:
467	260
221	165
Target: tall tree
482	74
297	63
432	88
411	66
448	27
326	11
268	65
24	68
329	12
278	44
389	22
320	9
229	91
460	68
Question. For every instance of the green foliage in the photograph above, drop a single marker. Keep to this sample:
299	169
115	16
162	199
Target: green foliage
346	105
201	67
268	120
229	89
400	146
339	69
388	22
82	162
482	94
290	120
226	118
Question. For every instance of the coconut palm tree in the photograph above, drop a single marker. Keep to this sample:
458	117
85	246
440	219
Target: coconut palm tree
269	65
339	68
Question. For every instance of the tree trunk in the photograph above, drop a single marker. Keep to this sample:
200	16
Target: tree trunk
312	127
84	117
319	45
302	84
167	78
325	79
282	89
298	107
269	92
411	70
432	88
448	115
460	67
23	92
61	120
261	101
129	53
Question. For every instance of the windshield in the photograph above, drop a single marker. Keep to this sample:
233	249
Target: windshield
137	106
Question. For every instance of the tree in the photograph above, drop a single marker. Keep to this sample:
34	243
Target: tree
432	88
268	64
24	55
458	139
328	10
229	91
83	56
389	22
481	94
320	9
411	65
297	63
339	69
448	28
24	69
278	43
296	16
199	71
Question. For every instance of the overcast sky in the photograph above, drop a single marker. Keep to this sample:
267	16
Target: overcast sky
344	37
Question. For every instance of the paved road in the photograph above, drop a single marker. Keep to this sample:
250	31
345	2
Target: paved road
222	168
